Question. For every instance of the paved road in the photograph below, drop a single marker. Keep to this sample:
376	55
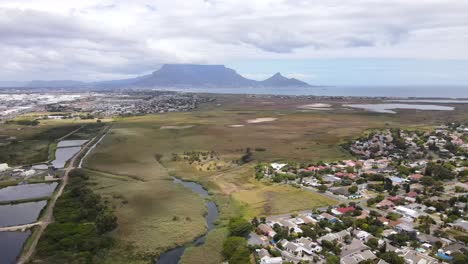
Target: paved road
49	214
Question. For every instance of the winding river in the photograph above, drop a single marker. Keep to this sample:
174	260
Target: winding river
173	256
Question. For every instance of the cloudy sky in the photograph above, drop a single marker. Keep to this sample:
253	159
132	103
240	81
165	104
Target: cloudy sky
355	42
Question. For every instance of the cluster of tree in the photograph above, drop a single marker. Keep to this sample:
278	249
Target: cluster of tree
247	157
439	171
87	116
24	122
235	248
377	199
371	224
391	258
82	220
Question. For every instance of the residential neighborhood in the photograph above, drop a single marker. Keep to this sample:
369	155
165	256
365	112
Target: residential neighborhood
403	199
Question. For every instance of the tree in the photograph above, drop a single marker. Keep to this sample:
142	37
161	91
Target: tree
232	244
353	189
392	258
322	188
332	259
239	227
255	222
106	221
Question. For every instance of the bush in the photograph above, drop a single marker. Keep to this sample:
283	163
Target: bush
239	227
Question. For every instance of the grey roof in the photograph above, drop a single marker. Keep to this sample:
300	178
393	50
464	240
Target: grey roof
357	257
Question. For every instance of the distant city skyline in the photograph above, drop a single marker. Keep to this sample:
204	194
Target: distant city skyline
356	42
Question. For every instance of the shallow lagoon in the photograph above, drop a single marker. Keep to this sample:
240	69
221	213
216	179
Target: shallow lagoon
20	214
387	108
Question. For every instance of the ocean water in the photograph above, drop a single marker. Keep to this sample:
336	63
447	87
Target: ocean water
358	91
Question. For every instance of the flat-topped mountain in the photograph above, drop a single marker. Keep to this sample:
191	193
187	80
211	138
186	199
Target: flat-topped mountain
181	75
195	75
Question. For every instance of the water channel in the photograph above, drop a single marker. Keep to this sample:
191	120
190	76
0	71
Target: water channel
173	256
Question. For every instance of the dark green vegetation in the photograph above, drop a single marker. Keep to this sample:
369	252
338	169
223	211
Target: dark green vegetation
31	144
82	220
235	248
34	148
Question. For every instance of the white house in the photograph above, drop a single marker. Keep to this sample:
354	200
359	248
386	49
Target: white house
3	167
277	166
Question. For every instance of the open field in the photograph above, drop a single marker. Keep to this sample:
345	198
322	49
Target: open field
132	166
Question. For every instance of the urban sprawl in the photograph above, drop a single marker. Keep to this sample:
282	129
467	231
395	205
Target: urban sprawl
403	200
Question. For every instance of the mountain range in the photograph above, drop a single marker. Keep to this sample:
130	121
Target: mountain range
175	75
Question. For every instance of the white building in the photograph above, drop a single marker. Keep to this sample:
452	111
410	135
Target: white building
3	167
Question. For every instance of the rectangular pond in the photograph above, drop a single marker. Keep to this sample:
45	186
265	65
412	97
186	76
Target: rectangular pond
20	214
11	244
70	143
27	191
62	155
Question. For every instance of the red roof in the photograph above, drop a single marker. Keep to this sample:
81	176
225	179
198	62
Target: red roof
416	176
339	174
393	198
412	194
312	168
344	210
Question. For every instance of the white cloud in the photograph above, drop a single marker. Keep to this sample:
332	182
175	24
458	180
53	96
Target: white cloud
91	39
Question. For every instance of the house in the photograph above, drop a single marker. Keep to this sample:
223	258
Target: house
356	245
414	257
396	180
291	226
3	167
28	173
329	217
405	228
266	230
415	177
389	222
277	166
265	257
460	225
407	212
309	246
362	235
339	236
255	240
307	219
357	257
385	203
342	210
412	194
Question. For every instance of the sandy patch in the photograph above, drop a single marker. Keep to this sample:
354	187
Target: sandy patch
236	125
261	120
176	127
317	106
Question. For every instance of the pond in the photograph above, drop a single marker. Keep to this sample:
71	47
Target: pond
387	108
27	191
19	214
62	155
11	244
70	143
173	256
